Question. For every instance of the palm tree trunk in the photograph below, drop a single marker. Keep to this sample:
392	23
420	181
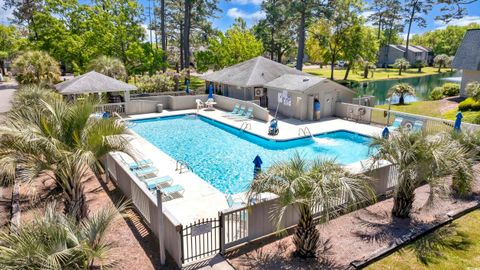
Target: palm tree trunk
401	100
186	33
306	234
402	203
75	205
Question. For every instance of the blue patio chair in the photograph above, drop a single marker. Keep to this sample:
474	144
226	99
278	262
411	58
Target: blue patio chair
417	126
239	113
169	191
247	116
152	183
234	111
136	165
145	171
234	202
397	123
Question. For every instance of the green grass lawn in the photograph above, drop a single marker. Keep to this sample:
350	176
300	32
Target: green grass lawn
379	74
428	108
433	109
451	247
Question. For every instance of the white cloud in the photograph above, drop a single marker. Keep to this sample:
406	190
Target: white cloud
460	22
238	13
147	33
246	2
365	15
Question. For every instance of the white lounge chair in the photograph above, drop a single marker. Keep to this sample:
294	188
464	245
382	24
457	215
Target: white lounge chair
200	104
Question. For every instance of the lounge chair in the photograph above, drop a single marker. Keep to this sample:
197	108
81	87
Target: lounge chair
169	191
417	126
247	116
239	113
152	183
397	123
139	164
200	104
145	171
233	112
234	202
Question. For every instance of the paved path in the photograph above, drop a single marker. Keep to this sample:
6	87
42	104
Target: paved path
6	94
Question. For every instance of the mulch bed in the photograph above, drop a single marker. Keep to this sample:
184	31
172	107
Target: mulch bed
354	236
134	246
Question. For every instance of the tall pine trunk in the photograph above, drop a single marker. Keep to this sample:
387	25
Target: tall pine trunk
301	40
410	21
186	34
163	33
347	72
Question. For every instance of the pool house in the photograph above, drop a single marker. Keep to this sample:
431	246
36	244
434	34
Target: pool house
467	59
271	84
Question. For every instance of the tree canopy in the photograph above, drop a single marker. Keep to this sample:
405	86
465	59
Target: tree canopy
238	44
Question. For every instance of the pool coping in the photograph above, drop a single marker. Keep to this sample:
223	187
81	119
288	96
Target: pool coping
250	132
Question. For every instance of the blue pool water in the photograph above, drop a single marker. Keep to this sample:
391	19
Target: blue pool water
223	156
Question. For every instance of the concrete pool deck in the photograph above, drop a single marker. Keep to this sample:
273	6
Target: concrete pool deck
202	200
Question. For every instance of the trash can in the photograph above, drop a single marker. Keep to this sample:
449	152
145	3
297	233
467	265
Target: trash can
159	108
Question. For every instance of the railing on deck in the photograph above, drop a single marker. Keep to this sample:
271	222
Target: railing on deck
383	117
111	107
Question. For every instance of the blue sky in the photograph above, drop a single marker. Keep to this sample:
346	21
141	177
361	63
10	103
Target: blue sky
250	11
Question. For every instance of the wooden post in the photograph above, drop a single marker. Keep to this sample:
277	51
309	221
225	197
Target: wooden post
161	228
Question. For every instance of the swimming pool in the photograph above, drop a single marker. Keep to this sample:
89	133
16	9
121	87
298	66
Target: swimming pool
223	155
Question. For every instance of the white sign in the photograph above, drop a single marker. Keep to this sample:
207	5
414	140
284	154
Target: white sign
201	229
284	98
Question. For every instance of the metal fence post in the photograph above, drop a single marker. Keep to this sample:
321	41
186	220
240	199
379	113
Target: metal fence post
221	219
160	228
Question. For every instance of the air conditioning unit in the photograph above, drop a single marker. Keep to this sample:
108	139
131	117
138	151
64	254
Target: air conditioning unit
259	92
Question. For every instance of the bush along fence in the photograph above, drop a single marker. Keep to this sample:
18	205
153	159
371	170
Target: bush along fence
232	228
383	117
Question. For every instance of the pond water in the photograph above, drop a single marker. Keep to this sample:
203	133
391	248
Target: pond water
423	85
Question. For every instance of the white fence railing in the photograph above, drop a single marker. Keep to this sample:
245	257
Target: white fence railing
245	224
111	107
384	117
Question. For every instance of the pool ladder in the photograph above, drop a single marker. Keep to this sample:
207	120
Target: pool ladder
181	165
245	126
305	131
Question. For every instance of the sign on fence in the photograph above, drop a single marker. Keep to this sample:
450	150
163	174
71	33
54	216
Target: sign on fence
201	229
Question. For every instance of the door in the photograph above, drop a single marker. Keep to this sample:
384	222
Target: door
329	102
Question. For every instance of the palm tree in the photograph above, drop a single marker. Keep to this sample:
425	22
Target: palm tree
401	90
441	60
59	140
109	66
401	64
420	159
320	184
56	241
36	67
462	181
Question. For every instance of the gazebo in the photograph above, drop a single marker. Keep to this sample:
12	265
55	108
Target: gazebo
95	83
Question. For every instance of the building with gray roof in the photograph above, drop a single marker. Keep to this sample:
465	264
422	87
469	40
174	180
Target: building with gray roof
389	53
274	85
467	58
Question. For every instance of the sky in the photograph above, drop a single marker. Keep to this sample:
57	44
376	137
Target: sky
250	11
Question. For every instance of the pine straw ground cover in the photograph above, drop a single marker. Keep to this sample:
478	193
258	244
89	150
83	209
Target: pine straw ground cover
352	237
134	246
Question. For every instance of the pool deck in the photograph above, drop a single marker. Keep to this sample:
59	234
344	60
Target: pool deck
202	200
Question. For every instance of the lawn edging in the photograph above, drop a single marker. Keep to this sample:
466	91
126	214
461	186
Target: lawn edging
415	234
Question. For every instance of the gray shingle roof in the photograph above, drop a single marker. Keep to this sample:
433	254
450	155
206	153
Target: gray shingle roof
92	82
468	54
302	83
254	72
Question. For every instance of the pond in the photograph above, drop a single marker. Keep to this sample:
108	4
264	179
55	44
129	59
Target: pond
423	85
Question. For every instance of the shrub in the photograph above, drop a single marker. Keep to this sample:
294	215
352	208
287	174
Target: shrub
473	90
160	82
36	67
436	94
469	104
451	89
